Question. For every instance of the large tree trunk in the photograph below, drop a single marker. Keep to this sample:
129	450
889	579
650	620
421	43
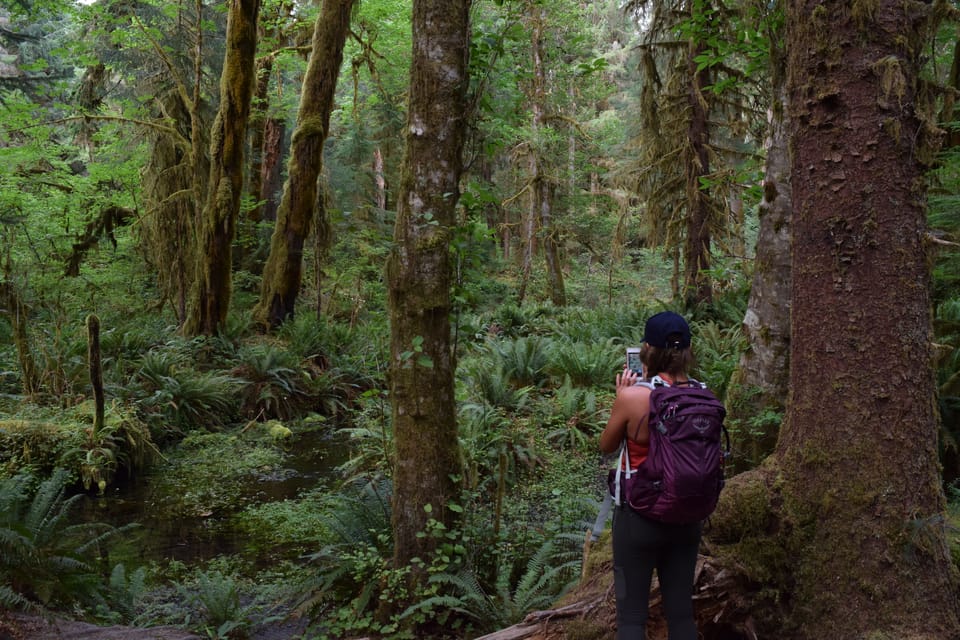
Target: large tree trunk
283	273
851	534
419	277
210	299
761	382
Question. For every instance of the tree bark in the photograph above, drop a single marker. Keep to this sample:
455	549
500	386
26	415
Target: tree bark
265	146
283	273
761	382
848	516
95	365
210	299
17	313
427	469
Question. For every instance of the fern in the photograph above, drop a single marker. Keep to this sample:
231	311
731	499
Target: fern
578	415
271	382
548	574
125	591
357	525
492	382
524	360
587	363
44	559
717	350
186	399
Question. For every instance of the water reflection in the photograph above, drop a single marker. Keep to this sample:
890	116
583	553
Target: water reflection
162	536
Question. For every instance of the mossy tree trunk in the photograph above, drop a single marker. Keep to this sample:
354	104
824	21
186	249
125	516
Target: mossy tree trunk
95	364
427	467
761	381
847	523
283	273
17	313
696	255
541	186
210	298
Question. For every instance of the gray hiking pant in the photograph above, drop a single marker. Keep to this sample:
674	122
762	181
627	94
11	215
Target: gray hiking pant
641	545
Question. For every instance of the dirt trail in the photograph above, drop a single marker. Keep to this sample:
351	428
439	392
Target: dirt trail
21	626
18	626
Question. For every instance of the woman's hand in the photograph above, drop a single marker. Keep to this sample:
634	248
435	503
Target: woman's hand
627	378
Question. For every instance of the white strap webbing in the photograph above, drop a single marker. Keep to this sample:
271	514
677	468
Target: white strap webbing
623	469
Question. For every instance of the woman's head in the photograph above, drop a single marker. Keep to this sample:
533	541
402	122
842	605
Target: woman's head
666	345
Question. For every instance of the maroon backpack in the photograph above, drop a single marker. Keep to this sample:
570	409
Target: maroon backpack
681	479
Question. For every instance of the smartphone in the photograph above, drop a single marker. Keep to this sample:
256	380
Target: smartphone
633	360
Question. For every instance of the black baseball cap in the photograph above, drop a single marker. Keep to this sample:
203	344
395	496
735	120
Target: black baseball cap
667	329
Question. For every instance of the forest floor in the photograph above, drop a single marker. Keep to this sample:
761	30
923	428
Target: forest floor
20	626
589	611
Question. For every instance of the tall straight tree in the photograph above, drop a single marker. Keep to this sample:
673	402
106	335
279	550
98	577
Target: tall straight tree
854	492
284	270
427	469
210	297
540	211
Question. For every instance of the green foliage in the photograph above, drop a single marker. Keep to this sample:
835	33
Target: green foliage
489	380
524	360
353	562
35	440
575	417
122	443
372	451
124	594
41	439
341	359
495	450
545	577
717	349
218	598
214	473
272	384
46	559
592	363
178	398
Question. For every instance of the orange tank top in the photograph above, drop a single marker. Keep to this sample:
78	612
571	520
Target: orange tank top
637	453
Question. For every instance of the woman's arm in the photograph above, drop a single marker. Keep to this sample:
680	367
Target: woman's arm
628	415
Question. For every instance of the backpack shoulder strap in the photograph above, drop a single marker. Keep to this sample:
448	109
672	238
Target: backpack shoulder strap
657	381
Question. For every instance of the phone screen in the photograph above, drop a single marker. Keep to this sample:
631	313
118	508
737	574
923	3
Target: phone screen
633	360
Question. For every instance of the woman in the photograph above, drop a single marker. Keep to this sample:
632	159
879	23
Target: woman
641	545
